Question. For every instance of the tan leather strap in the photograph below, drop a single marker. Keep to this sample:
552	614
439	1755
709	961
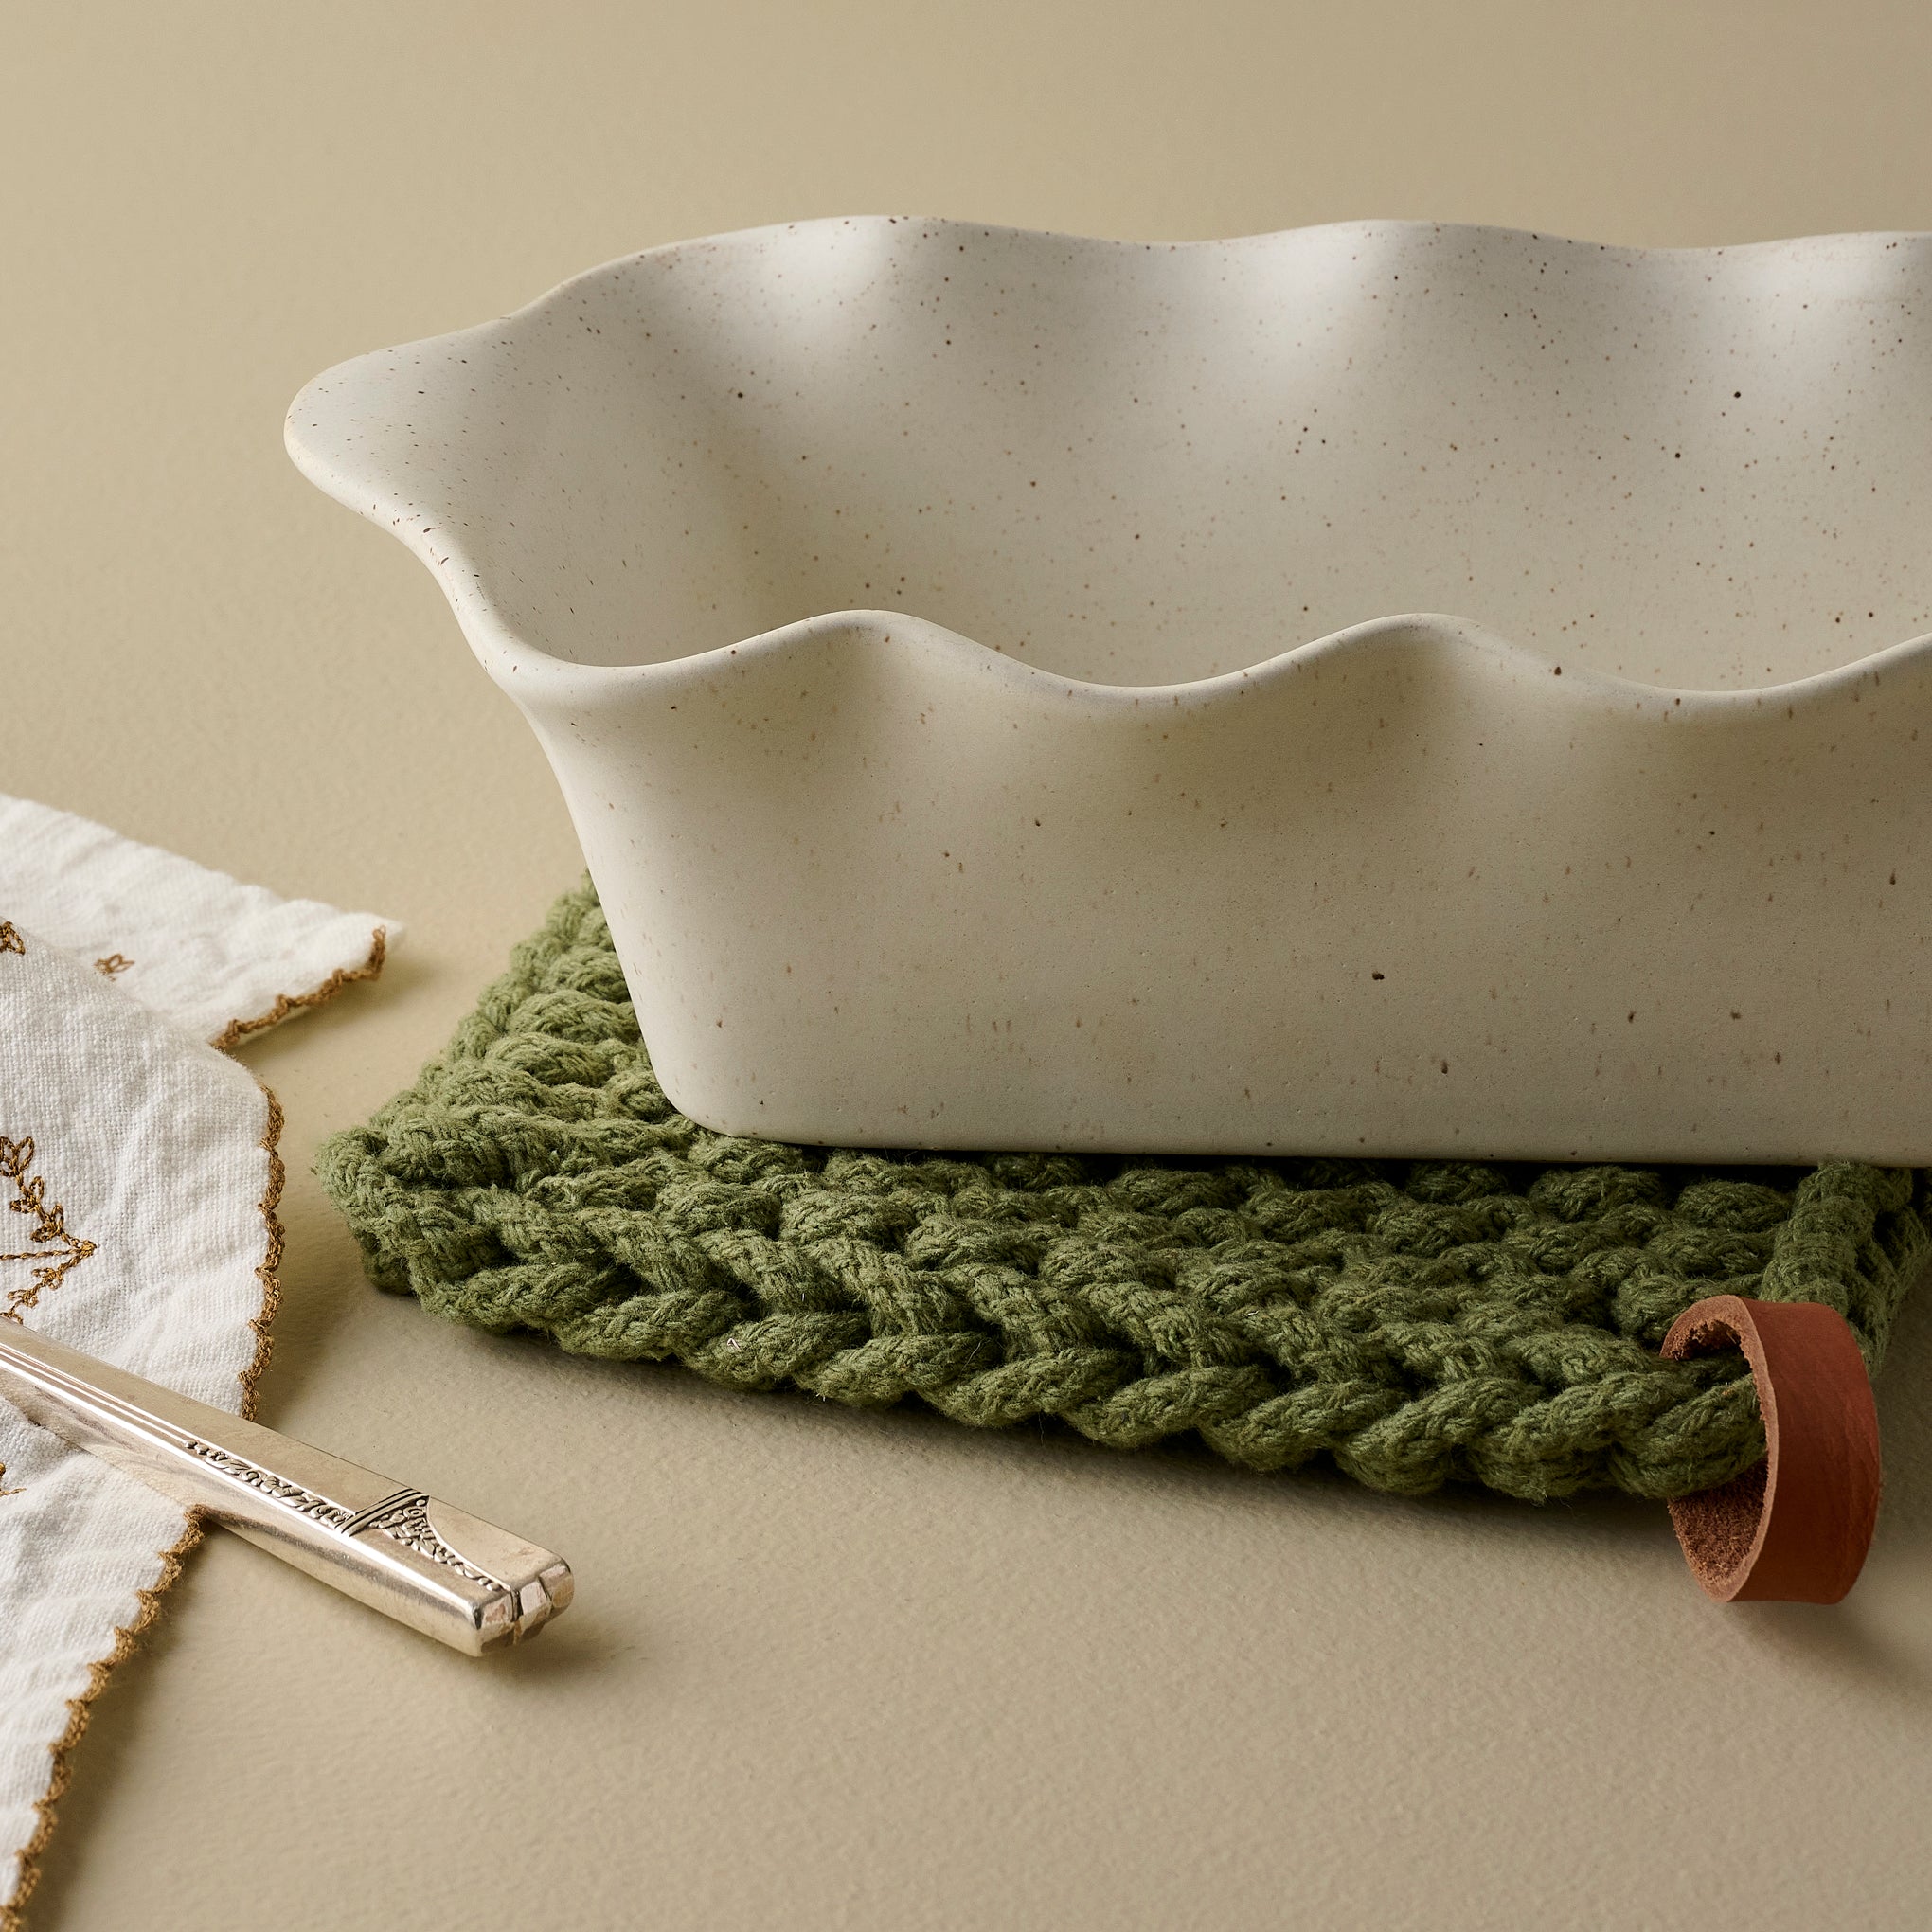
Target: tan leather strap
1794	1527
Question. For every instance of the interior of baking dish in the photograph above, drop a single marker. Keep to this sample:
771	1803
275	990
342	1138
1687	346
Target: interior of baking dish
1145	465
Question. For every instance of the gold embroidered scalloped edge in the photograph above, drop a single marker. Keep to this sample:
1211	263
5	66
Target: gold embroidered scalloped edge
285	1003
127	1638
79	1709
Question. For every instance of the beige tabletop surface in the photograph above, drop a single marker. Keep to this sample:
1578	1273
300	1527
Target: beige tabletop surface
830	1669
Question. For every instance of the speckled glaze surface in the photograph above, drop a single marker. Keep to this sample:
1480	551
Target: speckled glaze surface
968	656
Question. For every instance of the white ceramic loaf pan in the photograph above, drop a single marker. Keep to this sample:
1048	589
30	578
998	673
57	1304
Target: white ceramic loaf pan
967	656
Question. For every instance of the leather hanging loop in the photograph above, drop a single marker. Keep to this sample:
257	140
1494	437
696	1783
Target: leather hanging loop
1795	1527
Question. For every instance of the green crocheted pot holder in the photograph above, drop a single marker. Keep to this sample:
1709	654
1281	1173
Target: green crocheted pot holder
1416	1322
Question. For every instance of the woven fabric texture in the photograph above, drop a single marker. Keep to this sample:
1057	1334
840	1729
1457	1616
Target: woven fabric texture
1416	1322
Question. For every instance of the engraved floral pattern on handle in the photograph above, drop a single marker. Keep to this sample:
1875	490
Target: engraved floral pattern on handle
406	1521
303	1502
403	1518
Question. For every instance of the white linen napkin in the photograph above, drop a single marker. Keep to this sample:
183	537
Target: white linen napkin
138	1182
223	959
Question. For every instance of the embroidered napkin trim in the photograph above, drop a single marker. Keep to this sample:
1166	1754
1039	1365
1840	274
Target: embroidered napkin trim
222	960
236	1031
127	1637
220	957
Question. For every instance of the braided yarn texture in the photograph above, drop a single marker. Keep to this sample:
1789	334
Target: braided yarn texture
1413	1322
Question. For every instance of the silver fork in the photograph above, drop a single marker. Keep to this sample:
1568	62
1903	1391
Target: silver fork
441	1571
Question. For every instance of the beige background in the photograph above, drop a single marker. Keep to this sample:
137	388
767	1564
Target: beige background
831	1669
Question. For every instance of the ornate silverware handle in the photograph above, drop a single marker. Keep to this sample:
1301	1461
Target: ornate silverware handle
449	1575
